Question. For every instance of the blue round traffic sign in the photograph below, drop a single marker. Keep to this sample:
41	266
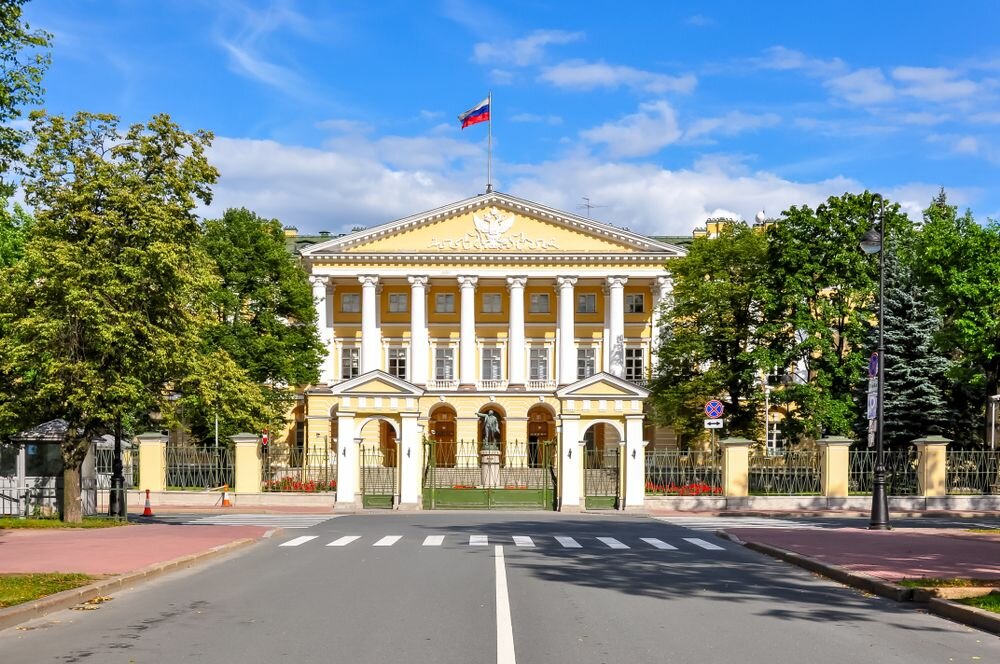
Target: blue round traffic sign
714	409
873	365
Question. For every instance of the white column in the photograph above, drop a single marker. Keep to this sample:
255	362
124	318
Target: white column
467	340
616	326
410	462
635	464
662	289
570	463
567	331
347	462
419	351
322	298
515	333
369	326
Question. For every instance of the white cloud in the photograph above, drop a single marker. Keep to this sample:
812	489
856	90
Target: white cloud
582	75
864	86
534	118
638	134
780	58
966	145
731	124
524	51
986	117
934	83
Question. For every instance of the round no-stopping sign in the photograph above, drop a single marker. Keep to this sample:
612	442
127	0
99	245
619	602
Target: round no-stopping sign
713	409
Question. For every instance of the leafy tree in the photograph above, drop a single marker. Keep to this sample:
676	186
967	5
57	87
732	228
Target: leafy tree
821	307
960	262
14	226
263	313
709	348
22	64
106	307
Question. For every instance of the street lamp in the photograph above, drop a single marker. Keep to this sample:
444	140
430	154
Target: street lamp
871	243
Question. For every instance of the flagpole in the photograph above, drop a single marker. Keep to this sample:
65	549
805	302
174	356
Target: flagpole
489	148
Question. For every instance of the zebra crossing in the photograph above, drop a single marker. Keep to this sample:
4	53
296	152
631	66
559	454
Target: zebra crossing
518	541
711	524
292	521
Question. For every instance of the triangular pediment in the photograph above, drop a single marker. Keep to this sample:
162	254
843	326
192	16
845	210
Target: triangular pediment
376	383
493	223
602	385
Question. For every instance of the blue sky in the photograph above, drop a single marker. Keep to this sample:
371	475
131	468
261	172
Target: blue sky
329	115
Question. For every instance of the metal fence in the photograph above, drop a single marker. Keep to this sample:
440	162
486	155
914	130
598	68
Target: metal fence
104	459
198	468
972	472
683	473
900	472
291	469
793	473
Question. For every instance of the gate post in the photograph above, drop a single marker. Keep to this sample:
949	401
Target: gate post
835	469
247	462
410	460
735	470
347	463
152	461
570	464
932	461
635	464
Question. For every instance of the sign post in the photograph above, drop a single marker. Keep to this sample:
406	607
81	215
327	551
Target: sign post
714	410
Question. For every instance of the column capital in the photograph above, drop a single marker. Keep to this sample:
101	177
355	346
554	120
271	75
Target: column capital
516	282
368	279
617	281
566	282
468	281
418	280
318	280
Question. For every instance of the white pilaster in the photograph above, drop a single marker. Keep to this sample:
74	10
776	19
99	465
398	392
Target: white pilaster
410	462
467	341
567	331
347	461
570	464
663	288
322	298
369	325
616	326
515	334
635	464
419	351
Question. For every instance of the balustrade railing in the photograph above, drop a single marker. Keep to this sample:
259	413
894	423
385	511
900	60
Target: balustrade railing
683	473
442	384
542	384
492	385
796	472
900	472
972	472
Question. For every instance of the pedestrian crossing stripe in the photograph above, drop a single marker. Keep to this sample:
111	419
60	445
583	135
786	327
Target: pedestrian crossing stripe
299	540
290	521
658	543
345	540
612	543
568	542
521	541
434	540
712	524
703	544
388	540
478	540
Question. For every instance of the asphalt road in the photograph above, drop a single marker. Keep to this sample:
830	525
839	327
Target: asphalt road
439	593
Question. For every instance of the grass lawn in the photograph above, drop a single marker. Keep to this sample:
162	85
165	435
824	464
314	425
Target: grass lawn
931	582
989	602
988	531
88	522
20	588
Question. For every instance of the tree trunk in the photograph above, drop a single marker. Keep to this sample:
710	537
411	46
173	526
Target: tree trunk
72	510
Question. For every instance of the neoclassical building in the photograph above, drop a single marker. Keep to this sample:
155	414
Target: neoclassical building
490	307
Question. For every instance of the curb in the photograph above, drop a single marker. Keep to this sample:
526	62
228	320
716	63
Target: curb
21	613
967	615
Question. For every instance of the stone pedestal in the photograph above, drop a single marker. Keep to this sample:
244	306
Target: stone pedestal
489	468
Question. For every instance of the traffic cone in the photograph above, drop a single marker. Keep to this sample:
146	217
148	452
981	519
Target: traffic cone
147	511
225	496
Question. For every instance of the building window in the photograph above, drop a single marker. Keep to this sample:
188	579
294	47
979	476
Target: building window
586	363
539	364
350	303
539	303
397	362
491	303
491	364
586	303
444	363
444	303
775	443
634	303
350	363
633	364
398	303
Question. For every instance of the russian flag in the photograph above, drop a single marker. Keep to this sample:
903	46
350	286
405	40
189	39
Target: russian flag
478	113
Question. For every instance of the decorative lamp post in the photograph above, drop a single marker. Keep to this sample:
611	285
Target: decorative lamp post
871	243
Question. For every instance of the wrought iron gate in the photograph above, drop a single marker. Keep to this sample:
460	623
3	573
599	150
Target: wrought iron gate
601	485
379	475
464	475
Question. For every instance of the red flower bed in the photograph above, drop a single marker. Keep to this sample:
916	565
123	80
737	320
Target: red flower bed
693	489
294	485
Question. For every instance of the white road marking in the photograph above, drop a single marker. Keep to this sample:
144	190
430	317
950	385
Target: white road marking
345	540
273	520
478	540
299	540
434	540
703	544
658	543
568	542
388	540
612	543
505	629
523	540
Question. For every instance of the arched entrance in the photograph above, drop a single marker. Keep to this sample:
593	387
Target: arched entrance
601	465
379	462
441	428
541	433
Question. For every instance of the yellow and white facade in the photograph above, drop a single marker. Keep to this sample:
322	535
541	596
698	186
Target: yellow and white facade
490	303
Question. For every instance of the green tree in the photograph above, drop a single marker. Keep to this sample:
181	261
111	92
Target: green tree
960	263
105	309
709	348
14	227
23	62
821	307
262	310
